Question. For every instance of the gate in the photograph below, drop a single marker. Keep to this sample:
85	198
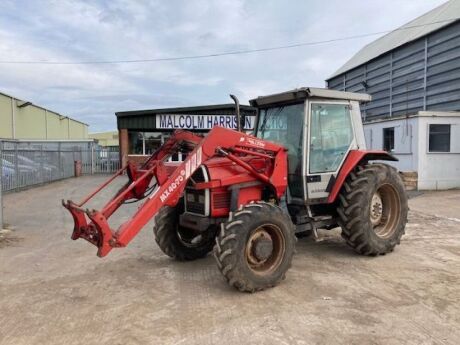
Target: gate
106	160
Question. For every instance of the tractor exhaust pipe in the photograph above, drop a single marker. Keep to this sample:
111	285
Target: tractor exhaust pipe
237	113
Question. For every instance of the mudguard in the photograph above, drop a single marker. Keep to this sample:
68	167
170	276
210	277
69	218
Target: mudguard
354	158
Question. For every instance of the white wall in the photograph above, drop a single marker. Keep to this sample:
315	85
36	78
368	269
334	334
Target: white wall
439	170
406	136
435	170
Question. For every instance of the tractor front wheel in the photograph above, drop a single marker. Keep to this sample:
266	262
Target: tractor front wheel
254	248
373	209
178	242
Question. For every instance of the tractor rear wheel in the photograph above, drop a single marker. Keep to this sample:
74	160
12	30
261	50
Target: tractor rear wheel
373	209
254	248
178	242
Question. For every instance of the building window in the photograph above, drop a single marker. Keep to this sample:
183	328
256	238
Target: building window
152	141
389	139
439	138
136	146
145	143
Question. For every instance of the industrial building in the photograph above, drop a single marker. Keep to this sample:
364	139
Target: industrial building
413	75
23	120
141	132
427	143
106	139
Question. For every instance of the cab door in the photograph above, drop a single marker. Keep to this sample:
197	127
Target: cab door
330	138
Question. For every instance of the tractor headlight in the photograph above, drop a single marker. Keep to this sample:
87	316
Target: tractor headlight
201	199
190	197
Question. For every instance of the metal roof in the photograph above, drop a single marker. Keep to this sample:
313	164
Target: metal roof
185	110
431	21
48	110
308	92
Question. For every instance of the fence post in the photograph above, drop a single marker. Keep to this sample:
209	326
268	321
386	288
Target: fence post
1	185
93	168
61	173
109	164
16	167
42	168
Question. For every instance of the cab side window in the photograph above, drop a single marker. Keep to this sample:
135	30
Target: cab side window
331	134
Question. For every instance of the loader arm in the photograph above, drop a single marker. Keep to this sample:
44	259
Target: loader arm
166	183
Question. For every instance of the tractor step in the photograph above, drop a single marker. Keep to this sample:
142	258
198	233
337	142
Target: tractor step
315	222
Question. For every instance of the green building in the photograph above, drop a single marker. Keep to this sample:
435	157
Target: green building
23	120
105	139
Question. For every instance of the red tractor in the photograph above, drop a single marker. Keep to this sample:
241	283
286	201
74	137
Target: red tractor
248	196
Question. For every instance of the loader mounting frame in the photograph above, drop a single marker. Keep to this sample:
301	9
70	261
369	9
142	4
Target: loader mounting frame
162	183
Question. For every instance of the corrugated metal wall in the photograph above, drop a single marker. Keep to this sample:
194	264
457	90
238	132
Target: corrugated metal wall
421	75
35	122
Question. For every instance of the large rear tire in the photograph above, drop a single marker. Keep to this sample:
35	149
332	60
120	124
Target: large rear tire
178	242
373	209
254	248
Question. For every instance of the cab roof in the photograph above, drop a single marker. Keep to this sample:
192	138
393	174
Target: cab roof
308	92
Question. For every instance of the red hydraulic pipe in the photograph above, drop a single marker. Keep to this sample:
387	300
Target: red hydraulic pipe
245	165
118	173
115	203
255	153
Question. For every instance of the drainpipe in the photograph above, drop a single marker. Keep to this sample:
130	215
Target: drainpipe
46	124
13	118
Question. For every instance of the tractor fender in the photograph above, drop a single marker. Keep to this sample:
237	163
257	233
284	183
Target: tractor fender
354	158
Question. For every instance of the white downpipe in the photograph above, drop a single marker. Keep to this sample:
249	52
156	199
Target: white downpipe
13	118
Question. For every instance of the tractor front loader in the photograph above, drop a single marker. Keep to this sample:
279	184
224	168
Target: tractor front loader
248	197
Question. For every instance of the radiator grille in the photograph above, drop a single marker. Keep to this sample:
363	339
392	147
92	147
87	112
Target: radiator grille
193	202
196	199
221	200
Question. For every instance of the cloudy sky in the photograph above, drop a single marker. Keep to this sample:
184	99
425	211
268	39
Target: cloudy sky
73	31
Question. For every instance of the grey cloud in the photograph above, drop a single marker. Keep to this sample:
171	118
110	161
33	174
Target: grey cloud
122	29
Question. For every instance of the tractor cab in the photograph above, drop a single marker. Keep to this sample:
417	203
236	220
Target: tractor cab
318	127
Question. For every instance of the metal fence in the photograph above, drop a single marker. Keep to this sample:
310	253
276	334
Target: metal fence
28	163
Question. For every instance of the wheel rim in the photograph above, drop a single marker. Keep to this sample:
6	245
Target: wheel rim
265	249
385	211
